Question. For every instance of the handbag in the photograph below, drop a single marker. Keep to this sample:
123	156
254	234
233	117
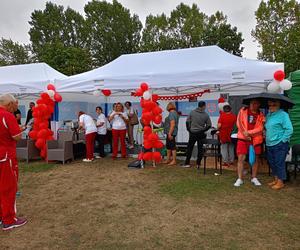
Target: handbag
134	120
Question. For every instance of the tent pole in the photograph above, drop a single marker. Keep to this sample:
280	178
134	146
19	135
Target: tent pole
106	107
176	102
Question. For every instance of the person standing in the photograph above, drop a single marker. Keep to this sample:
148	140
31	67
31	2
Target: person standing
279	130
197	123
133	120
10	133
171	129
250	124
29	113
119	120
226	123
17	113
87	123
101	131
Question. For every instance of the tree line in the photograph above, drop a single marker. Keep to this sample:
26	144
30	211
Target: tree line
73	43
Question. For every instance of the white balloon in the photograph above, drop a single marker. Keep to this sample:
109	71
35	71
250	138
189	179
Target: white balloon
221	105
274	87
147	95
51	93
97	93
285	84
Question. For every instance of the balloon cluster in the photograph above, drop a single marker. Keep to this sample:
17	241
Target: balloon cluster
105	92
151	114
41	114
279	83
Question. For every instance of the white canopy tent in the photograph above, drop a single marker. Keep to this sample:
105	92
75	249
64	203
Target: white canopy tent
27	78
192	67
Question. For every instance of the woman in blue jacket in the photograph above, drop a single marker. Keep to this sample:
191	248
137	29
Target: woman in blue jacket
279	130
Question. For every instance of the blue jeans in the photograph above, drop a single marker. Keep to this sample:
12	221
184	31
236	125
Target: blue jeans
276	156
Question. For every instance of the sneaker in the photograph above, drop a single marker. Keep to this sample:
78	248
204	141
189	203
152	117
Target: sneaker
98	157
87	160
255	182
185	166
238	183
20	222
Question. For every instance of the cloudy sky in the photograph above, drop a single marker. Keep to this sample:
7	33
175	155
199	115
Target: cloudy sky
15	14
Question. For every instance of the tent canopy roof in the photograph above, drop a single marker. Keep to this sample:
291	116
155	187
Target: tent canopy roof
27	78
174	68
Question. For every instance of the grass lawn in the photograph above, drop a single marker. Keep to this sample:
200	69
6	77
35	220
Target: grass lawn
105	205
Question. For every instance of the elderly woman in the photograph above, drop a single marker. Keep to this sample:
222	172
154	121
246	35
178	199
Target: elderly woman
118	120
279	130
171	129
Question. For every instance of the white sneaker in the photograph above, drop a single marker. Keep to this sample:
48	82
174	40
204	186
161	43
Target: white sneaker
185	166
255	182
238	183
98	157
87	160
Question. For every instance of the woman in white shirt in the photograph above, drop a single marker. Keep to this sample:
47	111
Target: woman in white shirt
119	120
101	131
87	123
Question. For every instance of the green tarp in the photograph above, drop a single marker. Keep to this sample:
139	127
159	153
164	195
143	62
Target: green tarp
294	94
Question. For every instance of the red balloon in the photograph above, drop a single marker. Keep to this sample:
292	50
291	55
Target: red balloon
33	134
39	101
157	119
140	156
144	86
43	125
145	122
45	96
43	152
147	130
106	92
40	143
157	110
279	75
158	144
51	87
139	92
153	137
147	156
42	134
57	97
149	105
156	156
154	97
147	144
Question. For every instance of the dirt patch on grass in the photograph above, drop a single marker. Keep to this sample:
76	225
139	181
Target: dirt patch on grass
104	205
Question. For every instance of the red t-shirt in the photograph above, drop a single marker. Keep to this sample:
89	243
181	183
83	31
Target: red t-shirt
252	118
8	129
227	121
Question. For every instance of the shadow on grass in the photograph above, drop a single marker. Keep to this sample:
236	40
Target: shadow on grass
35	167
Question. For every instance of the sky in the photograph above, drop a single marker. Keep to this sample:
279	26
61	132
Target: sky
15	14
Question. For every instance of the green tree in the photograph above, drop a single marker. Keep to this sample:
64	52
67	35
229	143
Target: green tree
277	32
156	34
189	27
12	53
218	32
55	33
114	31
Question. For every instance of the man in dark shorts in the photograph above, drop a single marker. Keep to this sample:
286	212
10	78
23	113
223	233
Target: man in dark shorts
250	124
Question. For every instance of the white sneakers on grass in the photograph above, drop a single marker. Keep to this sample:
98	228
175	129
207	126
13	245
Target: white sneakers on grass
240	182
87	160
255	182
